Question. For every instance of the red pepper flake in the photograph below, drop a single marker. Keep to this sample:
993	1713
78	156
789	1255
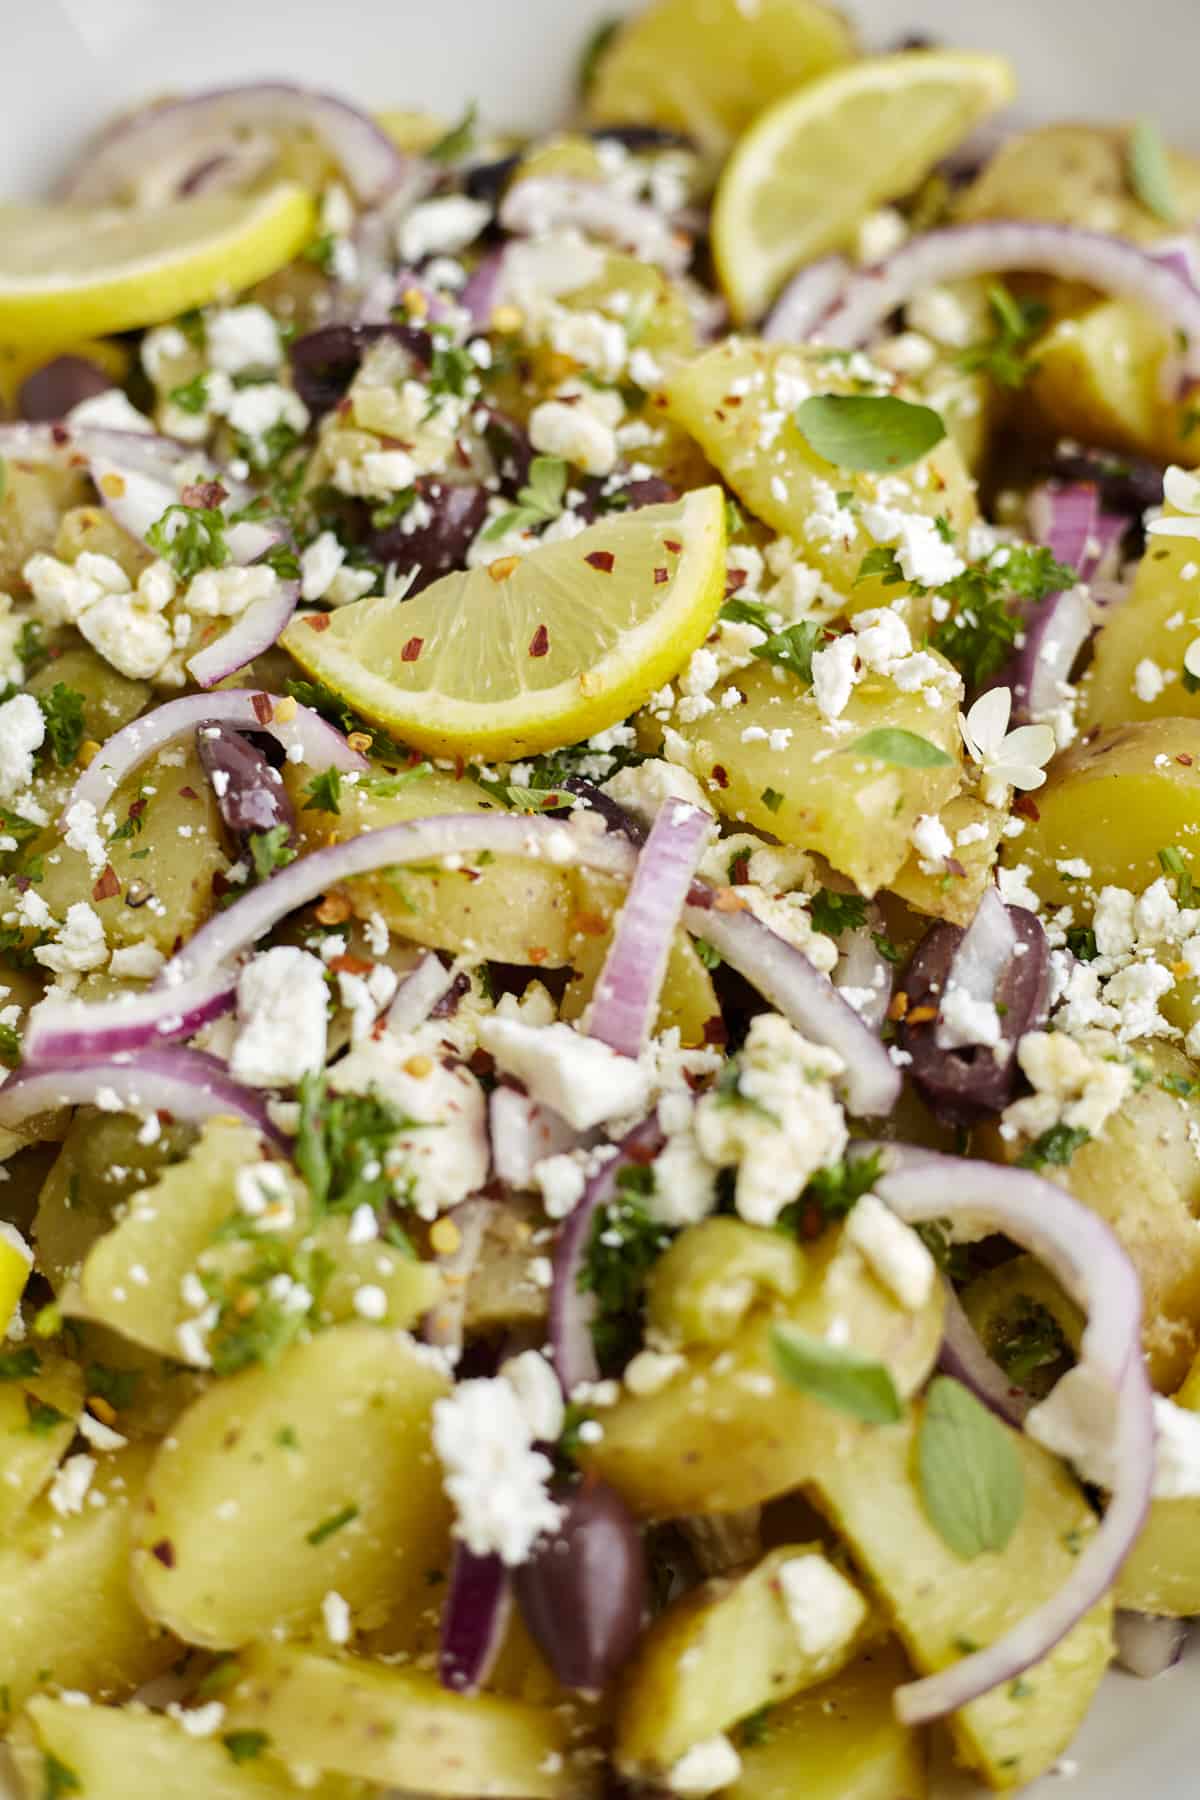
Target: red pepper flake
264	708
204	493
108	885
732	400
602	560
412	649
460	766
317	621
589	924
188	793
673	545
720	776
164	1552
1026	807
734	579
350	965
720	414
1184	758
715	1030
539	643
537	953
661	575
739	870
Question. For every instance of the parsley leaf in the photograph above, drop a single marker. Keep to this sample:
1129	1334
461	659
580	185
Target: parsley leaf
834	913
1081	942
836	1375
901	749
970	1475
865	431
62	709
538	502
19	1365
624	1246
324	792
10	1046
593	50
244	1746
1027	1340
191	396
328	1527
1172	861
1148	167
341	1144
1055	1147
270	850
1004	355
331	706
831	1193
792	648
31	650
459	141
58	1779
981	628
190	538
41	1418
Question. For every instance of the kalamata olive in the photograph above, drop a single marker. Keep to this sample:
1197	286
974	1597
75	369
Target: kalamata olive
250	794
325	361
1126	484
615	816
583	1591
962	1085
474	1620
51	391
511	451
488	180
451	516
601	498
637	138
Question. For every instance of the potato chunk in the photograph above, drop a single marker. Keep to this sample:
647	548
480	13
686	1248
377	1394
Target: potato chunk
1155	625
1162	1572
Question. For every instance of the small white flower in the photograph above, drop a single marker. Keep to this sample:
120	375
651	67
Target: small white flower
1008	759
1191	656
1182	491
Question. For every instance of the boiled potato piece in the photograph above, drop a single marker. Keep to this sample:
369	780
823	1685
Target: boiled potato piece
737	400
284	1482
1114	801
67	1617
38	1415
35	497
1162	1572
935	1599
721	1653
654	308
1075	175
94	528
110	699
398	1727
514	909
729	1431
114	1753
839	1741
956	899
1157	622
702	1287
1101	376
820	793
687	1003
100	1165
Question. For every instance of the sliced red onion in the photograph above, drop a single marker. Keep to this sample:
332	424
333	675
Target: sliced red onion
72	1031
625	1000
864	976
805	997
305	732
51	391
474	1621
481	295
146	155
571	1311
1127	485
1090	1264
994	247
251	634
184	1083
523	1134
547	203
249	791
963	1356
458	835
582	1591
28	441
443	1324
985	951
1147	1645
806	300
418	994
1064	519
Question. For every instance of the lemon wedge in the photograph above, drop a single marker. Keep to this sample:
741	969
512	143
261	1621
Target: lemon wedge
70	272
813	164
531	653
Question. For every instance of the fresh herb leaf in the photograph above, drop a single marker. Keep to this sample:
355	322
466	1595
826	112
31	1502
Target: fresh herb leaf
41	1419
331	706
624	1246
834	913
321	251
708	956
792	648
393	510
190	538
755	1728
117	1386
985	616
244	1746
19	1365
284	562
459	141
1081	942
864	431
1148	167
1055	1147
969	1472
889	951
836	1375
881	563
62	709
31	650
341	1144
270	850
1172	861
593	50
328	1527
10	1046
1026	1340
324	792
772	799
902	749
191	396
58	1778
1004	355
538	502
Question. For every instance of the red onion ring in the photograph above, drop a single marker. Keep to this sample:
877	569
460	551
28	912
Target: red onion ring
866	973
625	999
1067	520
1147	1645
475	1619
320	746
71	1031
481	295
418	994
250	635
185	1083
547	203
997	246
173	134
443	1324
1064	519
806	300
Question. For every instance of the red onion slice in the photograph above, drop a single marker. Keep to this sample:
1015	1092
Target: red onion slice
1092	1267
1147	1645
184	1083
547	203
995	247
418	994
481	295
805	997
987	948
523	1134
477	1611
33	442
147	154
443	1324
69	1031
806	300
305	732
1064	519
571	1311
250	635
964	1357
625	1000
863	977
1067	520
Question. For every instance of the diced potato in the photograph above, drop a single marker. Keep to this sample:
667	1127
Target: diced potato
701	1289
717	1655
100	1165
935	1599
36	495
67	1617
839	1741
94	528
729	1431
284	1482
737	400
398	1727
958	897
110	699
32	1441
1162	1572
1157	622
1075	175
128	1753
146	1391
1102	376
1114	801
1025	1322
820	793
687	1002
514	909
652	307
501	1292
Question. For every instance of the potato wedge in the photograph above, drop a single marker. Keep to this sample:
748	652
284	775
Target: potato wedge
1157	624
38	1415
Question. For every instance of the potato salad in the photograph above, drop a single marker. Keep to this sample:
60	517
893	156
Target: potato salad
599	934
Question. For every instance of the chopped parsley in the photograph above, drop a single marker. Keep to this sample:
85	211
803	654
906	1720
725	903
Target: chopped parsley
625	1245
117	1386
831	1193
191	396
1028	1343
62	710
755	1729
10	1046
244	1746
392	511
254	1324
459	141
329	1527
1172	861
538	502
341	1146
58	1778
834	913
31	650
1054	1147
271	850
772	799
708	956
1005	355
981	628
41	1419
792	648
331	706
1081	942
19	1365
190	538
324	792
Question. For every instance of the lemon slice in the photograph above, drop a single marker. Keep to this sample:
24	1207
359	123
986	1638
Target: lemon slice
531	653
69	272
707	67
810	167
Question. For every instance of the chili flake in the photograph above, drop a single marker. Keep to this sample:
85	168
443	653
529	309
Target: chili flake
412	649
602	560
539	643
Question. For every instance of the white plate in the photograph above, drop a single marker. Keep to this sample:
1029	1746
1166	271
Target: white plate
75	60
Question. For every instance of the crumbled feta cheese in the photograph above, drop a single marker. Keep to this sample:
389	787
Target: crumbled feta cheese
705	1768
370	1301
282	1015
560	1180
81	945
685	1182
893	1249
940	315
225	593
494	1477
824	1608
921	550
1074	1085
242	337
834	674
69	1488
578	1077
879	233
443	1155
82	832
574	433
254	411
538	1392
441	227
644	790
963	1019
319	563
22	734
1148	680
652	1370
335	1615
140	961
932	842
